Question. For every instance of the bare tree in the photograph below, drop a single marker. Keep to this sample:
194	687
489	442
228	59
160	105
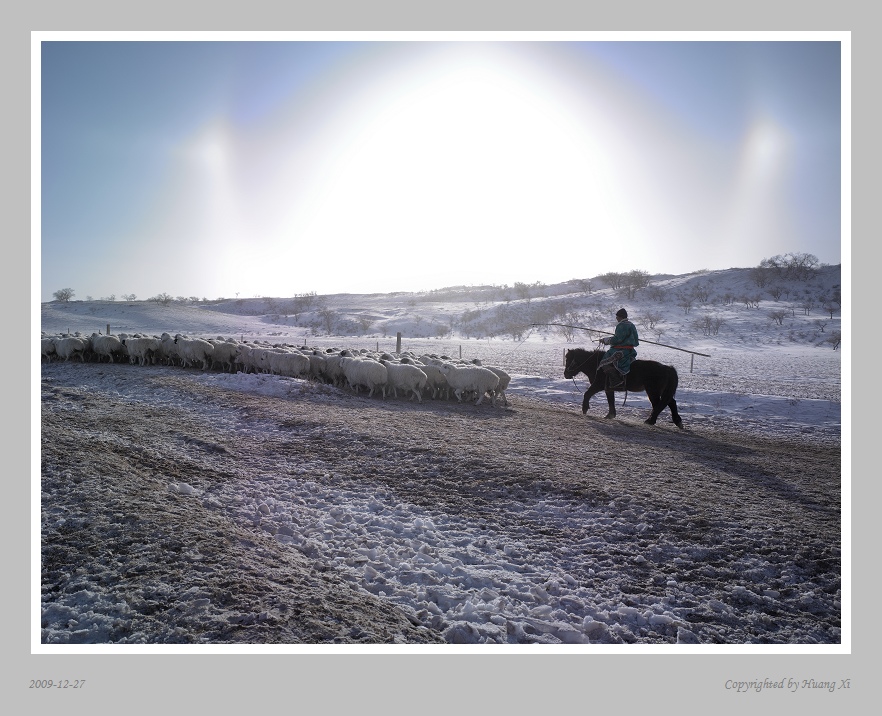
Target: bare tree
655	292
365	323
761	275
685	301
649	319
807	305
303	302
701	292
613	279
328	319
795	265
835	338
831	308
63	294
778	316
585	285
521	289
567	331
633	281
709	324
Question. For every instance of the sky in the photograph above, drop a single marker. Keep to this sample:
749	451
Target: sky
223	169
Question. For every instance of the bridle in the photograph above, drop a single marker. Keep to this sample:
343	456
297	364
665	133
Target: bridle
578	369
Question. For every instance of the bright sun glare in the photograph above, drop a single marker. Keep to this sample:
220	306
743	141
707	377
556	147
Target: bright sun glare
475	154
466	155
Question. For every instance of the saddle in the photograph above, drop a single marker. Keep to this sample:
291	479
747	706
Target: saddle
615	378
611	360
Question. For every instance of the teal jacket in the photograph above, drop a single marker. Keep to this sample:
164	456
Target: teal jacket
624	335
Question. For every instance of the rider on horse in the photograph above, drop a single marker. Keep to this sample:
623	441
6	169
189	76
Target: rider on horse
616	361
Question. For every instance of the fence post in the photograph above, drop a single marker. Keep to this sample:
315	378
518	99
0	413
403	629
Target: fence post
108	329
691	362
398	342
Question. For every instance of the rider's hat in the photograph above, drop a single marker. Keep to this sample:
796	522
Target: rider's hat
621	313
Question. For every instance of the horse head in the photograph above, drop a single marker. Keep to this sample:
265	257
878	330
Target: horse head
578	360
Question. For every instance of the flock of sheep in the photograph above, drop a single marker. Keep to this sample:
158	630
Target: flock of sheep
414	377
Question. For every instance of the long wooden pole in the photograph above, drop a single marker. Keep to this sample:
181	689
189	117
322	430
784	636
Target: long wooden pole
595	330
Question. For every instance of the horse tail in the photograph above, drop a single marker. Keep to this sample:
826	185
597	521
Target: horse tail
670	387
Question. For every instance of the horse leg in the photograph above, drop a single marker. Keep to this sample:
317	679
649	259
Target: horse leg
611	401
592	390
666	397
657	407
675	416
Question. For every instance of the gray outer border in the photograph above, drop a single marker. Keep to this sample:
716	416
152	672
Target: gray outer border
429	682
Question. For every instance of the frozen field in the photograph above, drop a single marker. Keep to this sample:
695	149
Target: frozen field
217	501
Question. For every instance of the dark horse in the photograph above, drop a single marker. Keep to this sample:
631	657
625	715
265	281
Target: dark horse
657	379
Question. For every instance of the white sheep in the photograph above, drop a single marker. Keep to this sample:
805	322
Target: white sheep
365	372
406	377
288	363
67	347
246	358
332	371
193	351
167	354
224	354
105	346
436	382
504	380
471	378
256	359
142	350
47	349
316	366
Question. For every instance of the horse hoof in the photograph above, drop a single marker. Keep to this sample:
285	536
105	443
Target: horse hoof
610	415
649	421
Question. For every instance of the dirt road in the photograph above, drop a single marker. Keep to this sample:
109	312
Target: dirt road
748	530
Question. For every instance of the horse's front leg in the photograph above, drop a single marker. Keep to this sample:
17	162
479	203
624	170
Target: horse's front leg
593	389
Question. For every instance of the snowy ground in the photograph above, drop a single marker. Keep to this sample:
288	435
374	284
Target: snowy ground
444	523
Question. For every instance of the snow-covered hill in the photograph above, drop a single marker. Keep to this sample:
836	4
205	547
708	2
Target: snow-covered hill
724	308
